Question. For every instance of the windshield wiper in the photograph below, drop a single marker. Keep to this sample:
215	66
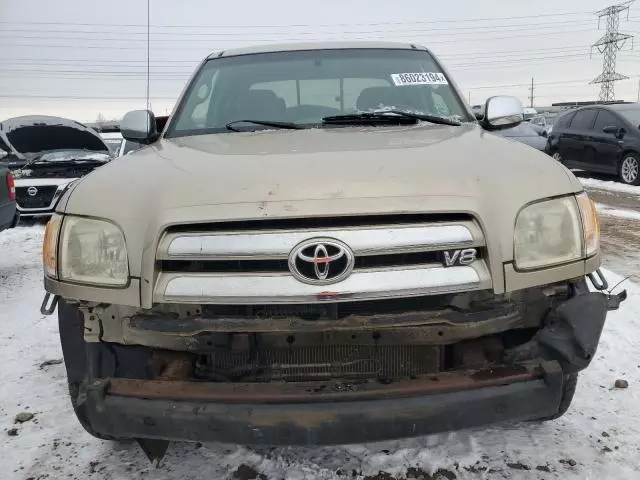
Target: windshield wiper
388	116
266	123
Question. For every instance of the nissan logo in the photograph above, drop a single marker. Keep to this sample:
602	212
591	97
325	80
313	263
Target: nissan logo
321	261
32	191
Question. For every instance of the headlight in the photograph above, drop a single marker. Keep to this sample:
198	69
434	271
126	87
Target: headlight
590	224
93	252
50	246
548	233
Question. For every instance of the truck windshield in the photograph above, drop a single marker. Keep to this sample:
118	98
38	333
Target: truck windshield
303	87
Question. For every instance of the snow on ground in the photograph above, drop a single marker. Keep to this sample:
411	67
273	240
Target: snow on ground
611	185
617	212
600	433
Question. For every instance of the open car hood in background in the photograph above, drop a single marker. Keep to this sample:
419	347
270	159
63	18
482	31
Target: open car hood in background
38	133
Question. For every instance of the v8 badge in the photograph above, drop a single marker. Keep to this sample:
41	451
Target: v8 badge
454	258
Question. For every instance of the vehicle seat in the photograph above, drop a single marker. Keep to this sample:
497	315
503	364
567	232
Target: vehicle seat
311	113
259	105
373	98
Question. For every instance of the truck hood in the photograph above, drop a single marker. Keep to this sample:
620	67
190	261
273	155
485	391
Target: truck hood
319	172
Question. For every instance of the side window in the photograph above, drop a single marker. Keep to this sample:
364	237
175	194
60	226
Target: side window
199	104
564	121
439	105
605	119
205	93
583	120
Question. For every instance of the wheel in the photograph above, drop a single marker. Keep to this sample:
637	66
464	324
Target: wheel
557	157
629	171
568	390
71	327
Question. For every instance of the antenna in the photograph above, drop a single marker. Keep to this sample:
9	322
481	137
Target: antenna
608	45
148	50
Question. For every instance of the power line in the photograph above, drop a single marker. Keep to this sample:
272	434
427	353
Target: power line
403	23
78	97
452	31
138	70
404	34
208	48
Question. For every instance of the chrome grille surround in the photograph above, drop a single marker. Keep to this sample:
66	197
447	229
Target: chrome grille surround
252	287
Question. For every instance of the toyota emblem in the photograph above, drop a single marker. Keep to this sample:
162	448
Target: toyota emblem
321	261
32	191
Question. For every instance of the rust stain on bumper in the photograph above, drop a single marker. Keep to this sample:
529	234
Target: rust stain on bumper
315	392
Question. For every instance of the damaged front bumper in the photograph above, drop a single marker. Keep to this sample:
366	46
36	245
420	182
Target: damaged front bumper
241	414
528	383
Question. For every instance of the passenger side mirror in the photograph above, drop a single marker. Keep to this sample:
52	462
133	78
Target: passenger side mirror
618	132
502	112
139	126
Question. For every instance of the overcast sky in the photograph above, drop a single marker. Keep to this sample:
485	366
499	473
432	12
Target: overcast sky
78	58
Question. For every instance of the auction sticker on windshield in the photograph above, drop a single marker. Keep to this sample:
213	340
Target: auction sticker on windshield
421	78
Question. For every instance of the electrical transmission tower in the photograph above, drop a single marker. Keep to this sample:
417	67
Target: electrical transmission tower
608	45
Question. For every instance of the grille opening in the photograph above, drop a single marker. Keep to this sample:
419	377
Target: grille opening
281	265
320	222
321	362
335	311
345	360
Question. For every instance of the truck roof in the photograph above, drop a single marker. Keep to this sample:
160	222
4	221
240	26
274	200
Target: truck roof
291	47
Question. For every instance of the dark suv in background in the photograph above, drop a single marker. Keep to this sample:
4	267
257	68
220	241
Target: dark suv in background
602	138
8	213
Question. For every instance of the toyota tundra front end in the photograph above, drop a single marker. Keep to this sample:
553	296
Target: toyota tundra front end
323	247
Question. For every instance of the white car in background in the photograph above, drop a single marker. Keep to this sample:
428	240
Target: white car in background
529	113
46	155
118	145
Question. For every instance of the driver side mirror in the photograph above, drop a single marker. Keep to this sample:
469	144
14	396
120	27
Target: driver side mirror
139	126
502	112
618	132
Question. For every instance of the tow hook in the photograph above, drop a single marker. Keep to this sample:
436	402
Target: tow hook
600	283
48	310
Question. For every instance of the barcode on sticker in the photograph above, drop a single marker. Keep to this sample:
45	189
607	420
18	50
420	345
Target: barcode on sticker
423	78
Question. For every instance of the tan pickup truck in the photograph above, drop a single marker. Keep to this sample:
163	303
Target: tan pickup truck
323	245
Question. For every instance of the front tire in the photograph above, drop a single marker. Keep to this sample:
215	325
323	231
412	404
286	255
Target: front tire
629	170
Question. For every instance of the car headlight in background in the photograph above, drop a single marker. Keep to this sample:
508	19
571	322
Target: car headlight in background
553	232
87	251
